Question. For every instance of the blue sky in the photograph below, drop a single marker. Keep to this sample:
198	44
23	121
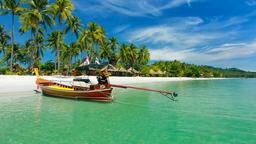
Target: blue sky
213	32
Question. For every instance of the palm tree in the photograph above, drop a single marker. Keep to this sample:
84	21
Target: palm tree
55	41
133	54
38	14
29	45
124	55
35	16
12	7
61	9
40	47
114	45
74	50
69	52
4	38
97	35
18	56
84	41
143	56
109	50
73	25
1	4
105	51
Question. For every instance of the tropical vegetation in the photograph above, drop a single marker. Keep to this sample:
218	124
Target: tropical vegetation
180	69
54	27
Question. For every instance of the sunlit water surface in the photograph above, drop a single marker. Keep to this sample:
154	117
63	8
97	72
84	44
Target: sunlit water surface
207	112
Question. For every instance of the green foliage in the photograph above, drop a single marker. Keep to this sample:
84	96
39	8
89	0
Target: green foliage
12	7
180	69
47	68
19	54
4	39
62	9
17	70
132	56
10	73
73	25
4	70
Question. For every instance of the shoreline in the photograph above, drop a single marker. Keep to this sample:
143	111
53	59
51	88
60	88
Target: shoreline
16	83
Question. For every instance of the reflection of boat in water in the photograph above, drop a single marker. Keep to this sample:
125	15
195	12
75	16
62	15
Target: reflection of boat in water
97	92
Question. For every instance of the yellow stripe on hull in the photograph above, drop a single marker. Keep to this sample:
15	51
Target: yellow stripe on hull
60	88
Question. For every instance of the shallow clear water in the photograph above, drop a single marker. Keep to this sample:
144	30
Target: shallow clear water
208	112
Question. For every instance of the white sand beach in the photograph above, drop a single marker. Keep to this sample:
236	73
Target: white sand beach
13	83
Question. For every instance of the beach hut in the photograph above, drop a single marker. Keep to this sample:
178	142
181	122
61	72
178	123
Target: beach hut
90	69
123	72
134	71
93	69
83	63
156	73
109	67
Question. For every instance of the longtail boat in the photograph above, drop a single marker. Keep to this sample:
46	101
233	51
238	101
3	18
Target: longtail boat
96	92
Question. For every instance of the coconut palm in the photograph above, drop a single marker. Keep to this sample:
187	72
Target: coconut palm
105	51
84	41
143	56
36	18
133	54
18	56
55	41
97	35
114	51
97	32
124	55
12	7
1	4
40	47
73	25
69	52
109	50
62	10
4	38
75	50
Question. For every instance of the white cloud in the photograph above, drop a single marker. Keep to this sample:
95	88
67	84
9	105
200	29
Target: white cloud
121	28
189	2
251	2
182	34
219	23
130	8
223	52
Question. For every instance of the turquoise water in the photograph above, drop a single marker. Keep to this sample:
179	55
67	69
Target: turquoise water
207	112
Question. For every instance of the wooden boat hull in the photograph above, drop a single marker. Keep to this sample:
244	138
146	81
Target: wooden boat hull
96	95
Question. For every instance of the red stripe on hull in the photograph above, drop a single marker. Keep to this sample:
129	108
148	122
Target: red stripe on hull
98	95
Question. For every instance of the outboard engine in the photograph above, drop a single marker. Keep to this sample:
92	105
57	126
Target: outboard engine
102	80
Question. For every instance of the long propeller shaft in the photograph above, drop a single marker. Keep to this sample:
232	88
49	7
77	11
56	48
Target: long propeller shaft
146	89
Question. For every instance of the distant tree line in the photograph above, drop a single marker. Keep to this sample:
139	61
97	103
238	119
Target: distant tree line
181	69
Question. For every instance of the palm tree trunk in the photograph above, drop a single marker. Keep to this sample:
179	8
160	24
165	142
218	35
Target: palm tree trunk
55	63
70	57
58	46
33	49
70	61
58	51
12	42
